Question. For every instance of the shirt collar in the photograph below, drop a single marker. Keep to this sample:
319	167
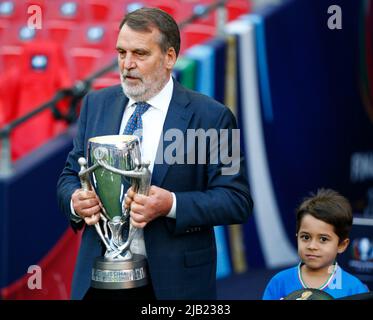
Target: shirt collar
325	284
162	99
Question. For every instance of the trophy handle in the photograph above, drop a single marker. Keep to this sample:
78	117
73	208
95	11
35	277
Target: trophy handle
86	185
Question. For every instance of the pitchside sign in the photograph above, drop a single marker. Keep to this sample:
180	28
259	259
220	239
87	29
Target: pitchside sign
358	259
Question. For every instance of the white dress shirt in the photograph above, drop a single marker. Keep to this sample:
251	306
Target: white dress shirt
153	121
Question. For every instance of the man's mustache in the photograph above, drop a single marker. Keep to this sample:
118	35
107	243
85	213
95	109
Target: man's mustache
131	74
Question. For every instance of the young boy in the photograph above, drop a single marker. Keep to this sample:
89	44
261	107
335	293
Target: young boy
323	224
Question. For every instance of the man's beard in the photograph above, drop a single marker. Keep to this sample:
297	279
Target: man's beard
148	86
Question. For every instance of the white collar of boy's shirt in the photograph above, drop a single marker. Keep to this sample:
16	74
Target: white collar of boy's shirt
160	101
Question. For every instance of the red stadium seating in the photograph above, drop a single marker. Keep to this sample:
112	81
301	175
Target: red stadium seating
59	30
120	8
42	4
9	88
98	10
19	33
67	10
2	113
4	25
87	40
195	34
173	8
88	43
13	40
101	36
13	11
188	8
111	79
40	73
83	61
236	8
9	56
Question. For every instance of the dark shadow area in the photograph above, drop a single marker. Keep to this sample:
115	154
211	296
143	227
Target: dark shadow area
246	286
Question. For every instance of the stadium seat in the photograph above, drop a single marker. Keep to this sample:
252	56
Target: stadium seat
120	8
4	26
42	4
59	30
195	34
9	56
106	81
197	7
98	10
19	33
20	11
101	36
173	8
13	40
13	11
40	73
66	10
110	78
2	115
83	61
88	43
236	8
9	81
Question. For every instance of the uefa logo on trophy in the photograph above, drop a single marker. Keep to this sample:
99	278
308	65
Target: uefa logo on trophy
114	163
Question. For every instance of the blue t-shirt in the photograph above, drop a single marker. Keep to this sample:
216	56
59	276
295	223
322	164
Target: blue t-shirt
341	284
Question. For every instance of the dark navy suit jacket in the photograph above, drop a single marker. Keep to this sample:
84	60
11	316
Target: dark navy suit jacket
181	252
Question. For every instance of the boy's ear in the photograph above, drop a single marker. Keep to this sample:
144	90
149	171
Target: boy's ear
342	246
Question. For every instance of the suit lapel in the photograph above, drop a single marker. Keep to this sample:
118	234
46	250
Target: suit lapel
114	113
178	117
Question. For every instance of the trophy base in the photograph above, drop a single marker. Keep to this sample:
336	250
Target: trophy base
114	275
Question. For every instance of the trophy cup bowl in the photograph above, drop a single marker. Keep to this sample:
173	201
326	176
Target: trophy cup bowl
114	164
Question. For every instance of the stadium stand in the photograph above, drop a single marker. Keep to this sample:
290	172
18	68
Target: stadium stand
38	74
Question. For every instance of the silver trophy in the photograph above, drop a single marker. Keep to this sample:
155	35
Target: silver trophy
113	162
